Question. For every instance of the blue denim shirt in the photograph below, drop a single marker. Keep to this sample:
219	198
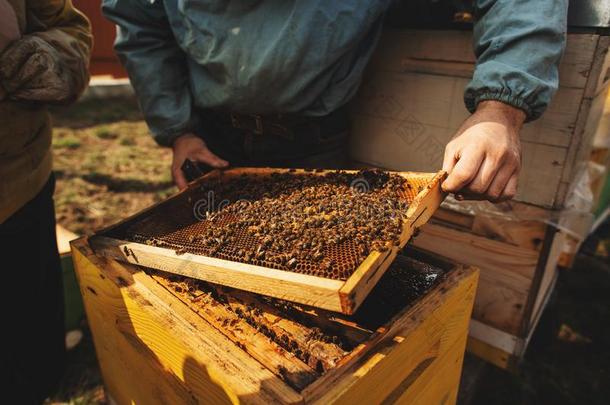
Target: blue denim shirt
283	56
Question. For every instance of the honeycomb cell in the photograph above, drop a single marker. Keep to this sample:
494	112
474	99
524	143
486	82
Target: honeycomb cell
341	253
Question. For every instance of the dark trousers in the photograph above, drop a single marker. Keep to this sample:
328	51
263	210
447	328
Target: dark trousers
309	144
33	358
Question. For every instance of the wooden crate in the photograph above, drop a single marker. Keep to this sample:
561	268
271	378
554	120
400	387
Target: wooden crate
411	104
409	107
518	262
155	346
423	197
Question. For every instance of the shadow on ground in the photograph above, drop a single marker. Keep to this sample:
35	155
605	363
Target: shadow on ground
122	185
92	112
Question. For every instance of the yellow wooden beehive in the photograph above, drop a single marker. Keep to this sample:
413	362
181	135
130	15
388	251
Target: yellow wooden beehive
159	342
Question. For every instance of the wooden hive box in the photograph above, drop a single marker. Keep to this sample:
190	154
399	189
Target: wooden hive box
409	107
518	261
162	339
411	104
172	222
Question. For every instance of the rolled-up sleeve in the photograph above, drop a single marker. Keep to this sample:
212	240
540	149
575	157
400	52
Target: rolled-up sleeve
156	66
51	63
518	45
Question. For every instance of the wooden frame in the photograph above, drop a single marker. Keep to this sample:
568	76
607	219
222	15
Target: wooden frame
154	347
334	295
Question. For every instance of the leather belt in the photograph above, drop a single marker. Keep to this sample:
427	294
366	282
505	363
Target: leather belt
284	125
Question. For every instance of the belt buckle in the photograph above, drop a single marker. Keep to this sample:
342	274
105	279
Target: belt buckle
237	122
259	124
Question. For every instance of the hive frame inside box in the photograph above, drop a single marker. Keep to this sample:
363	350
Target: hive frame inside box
154	347
330	294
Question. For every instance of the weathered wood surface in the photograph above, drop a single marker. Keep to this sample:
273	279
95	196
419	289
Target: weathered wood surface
64	237
411	104
506	272
411	353
150	346
209	306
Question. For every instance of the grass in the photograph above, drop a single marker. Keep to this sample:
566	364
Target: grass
104	132
67	142
107	164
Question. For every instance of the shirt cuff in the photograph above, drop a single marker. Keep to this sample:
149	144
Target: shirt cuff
167	136
504	95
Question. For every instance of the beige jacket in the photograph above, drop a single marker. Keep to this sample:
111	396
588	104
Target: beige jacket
48	65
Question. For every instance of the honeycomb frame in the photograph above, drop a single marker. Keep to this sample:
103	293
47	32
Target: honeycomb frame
351	280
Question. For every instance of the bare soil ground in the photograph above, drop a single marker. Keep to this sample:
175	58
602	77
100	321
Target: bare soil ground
109	167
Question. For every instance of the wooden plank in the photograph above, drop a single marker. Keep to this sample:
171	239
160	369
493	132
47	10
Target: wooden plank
439	383
588	118
64	237
527	233
501	303
541	174
510	222
556	126
548	276
478	251
453	218
506	272
489	353
323	355
358	286
603	78
413	98
536	318
401	50
309	290
436	324
296	373
147	339
506	342
575	67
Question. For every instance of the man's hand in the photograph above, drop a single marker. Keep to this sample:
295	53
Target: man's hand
190	146
484	158
9	28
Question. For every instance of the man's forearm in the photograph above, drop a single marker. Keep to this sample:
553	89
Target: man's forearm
498	111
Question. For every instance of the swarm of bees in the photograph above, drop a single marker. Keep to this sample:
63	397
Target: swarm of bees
305	221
